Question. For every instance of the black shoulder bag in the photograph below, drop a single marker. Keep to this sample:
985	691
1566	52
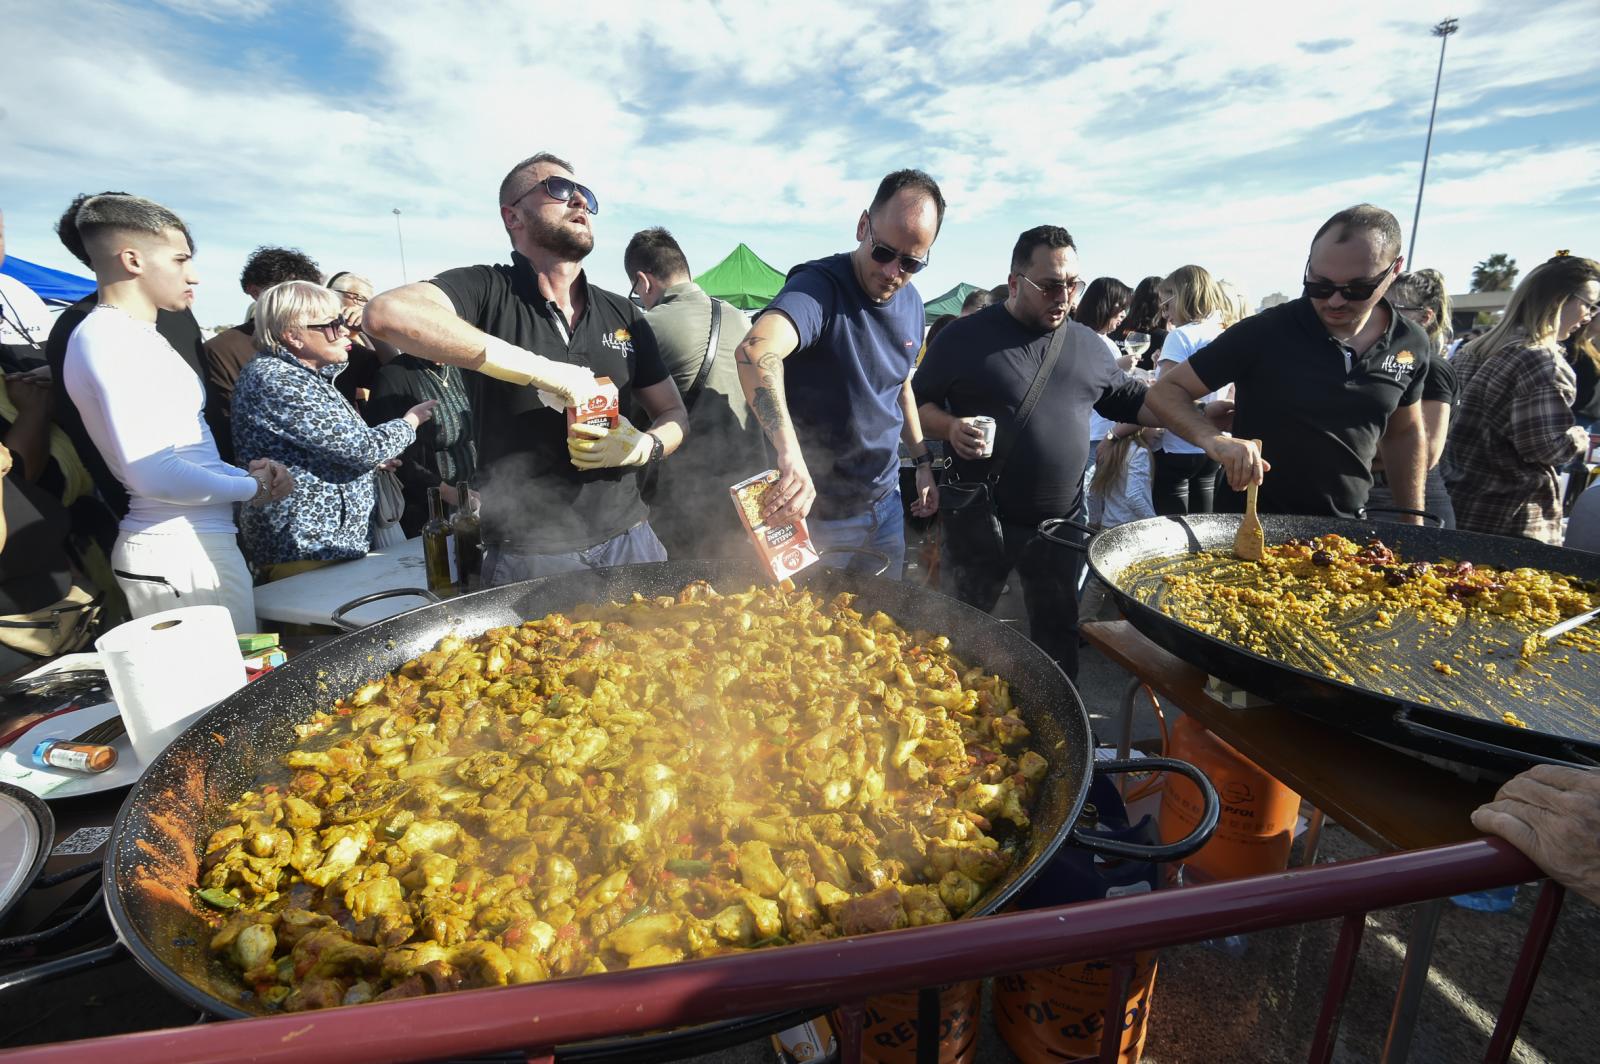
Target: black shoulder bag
967	509
699	385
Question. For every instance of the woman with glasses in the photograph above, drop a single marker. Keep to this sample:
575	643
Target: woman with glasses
1185	479
1514	427
286	407
1422	297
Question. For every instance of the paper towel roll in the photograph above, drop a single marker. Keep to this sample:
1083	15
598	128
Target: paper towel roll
168	668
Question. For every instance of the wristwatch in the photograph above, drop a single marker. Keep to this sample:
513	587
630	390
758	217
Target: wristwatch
658	450
925	458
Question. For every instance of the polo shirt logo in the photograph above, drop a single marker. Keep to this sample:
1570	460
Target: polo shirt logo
620	340
1399	366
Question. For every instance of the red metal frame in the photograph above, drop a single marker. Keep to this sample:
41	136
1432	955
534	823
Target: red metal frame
537	1017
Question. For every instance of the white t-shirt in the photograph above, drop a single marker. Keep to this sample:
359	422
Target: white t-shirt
1128	497
25	320
1180	344
144	409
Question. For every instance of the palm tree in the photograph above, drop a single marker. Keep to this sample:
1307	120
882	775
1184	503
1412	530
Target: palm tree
1497	273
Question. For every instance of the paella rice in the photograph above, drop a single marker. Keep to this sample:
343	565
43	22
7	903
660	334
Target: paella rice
633	784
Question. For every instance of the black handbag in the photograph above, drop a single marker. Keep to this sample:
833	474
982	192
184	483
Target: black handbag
967	509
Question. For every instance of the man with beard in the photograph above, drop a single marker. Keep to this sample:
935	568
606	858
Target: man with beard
1325	382
985	364
827	369
551	503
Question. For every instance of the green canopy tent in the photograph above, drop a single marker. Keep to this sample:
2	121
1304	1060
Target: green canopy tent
949	303
742	279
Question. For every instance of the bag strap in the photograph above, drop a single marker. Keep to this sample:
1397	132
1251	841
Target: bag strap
1035	390
699	384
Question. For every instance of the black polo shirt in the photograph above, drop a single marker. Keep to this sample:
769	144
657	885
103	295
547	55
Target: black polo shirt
983	365
1319	420
534	500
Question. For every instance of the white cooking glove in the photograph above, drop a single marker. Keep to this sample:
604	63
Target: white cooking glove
560	384
594	447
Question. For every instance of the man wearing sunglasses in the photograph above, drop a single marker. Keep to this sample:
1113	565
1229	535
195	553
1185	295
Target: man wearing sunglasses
985	365
1325	382
827	369
551	503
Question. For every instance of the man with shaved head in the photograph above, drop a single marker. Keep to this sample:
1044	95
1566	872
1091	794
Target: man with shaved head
827	369
1325	382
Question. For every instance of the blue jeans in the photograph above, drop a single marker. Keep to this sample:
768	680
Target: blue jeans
880	527
503	565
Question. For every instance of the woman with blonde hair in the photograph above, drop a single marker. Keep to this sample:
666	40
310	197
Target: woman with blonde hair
1422	297
287	407
1514	427
1235	304
1185	479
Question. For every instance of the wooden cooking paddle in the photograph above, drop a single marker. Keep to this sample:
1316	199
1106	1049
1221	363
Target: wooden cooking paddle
1250	541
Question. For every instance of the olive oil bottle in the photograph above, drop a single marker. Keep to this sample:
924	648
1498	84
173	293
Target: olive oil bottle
468	540
436	546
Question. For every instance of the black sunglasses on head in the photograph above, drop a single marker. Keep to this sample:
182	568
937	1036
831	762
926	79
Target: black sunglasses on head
1354	291
884	254
562	189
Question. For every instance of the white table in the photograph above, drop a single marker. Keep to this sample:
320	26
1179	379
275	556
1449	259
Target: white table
311	598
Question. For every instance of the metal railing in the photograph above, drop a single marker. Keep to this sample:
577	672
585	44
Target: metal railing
533	1018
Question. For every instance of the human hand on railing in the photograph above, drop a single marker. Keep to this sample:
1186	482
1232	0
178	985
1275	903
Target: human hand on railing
1551	814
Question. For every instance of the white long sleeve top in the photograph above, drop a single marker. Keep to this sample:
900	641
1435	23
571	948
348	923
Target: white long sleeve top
144	409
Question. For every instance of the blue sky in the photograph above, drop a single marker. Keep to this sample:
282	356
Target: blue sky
1160	133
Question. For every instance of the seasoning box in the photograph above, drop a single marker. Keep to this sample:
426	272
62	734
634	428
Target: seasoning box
602	411
784	550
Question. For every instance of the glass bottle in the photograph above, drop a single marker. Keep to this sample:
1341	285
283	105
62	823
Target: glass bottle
436	546
469	540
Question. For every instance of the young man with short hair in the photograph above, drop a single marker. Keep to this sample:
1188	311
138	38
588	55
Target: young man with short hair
827	369
689	505
144	410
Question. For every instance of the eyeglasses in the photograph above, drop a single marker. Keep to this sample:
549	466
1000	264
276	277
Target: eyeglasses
354	297
562	190
884	254
1354	291
1072	286
329	329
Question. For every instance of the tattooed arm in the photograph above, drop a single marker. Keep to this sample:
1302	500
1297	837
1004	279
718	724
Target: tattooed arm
760	358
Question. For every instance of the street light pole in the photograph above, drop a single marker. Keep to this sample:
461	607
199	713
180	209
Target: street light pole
401	238
1442	30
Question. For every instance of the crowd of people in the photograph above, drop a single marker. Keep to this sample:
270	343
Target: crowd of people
143	460
311	432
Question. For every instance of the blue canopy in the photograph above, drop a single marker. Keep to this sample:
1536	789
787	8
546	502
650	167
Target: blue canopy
52	286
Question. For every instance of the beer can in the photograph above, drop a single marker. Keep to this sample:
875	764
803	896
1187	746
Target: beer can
985	425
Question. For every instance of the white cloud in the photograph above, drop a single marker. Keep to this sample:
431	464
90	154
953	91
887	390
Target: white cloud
1160	132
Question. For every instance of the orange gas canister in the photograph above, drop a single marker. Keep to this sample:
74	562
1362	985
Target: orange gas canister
889	1030
1256	828
1051	1014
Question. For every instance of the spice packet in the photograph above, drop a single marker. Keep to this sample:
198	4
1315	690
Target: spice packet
783	550
603	409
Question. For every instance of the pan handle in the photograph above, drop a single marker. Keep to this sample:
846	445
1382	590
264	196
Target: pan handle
1504	753
1438	522
337	617
1172	851
876	555
1047	530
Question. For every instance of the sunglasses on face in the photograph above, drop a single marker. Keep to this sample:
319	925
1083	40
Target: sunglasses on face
562	190
1072	287
329	329
1354	291
883	254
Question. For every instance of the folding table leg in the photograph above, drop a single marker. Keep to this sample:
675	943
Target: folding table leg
1413	980
1340	972
1313	838
1125	740
1534	944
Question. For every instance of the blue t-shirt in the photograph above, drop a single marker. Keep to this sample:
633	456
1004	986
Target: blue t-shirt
843	382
